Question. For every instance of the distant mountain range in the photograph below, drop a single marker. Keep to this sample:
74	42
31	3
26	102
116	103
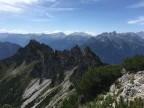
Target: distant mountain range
141	34
110	47
58	41
114	47
7	49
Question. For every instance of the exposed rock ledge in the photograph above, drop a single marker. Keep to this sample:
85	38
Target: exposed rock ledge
129	86
37	92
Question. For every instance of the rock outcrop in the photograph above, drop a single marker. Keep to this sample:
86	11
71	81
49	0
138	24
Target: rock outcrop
130	86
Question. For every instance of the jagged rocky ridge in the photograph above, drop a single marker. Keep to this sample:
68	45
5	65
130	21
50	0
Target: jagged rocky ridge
114	47
37	73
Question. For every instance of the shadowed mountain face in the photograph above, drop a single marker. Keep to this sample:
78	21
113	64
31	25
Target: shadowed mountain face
113	48
51	61
39	61
7	49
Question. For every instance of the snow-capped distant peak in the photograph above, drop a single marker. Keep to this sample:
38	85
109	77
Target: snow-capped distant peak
58	35
81	34
141	34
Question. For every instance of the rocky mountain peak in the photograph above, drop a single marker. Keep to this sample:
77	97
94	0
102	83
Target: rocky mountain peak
33	42
76	50
35	45
33	51
141	34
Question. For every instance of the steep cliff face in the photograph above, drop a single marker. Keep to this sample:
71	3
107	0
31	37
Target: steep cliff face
37	76
54	62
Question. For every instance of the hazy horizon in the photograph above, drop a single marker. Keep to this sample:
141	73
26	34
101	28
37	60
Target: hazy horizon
49	33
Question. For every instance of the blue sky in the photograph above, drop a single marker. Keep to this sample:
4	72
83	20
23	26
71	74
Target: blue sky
92	16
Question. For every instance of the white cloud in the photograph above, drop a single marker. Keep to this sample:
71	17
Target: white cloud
20	5
138	21
67	32
21	31
8	8
140	4
88	1
60	9
3	30
34	8
14	5
91	33
55	4
15	2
